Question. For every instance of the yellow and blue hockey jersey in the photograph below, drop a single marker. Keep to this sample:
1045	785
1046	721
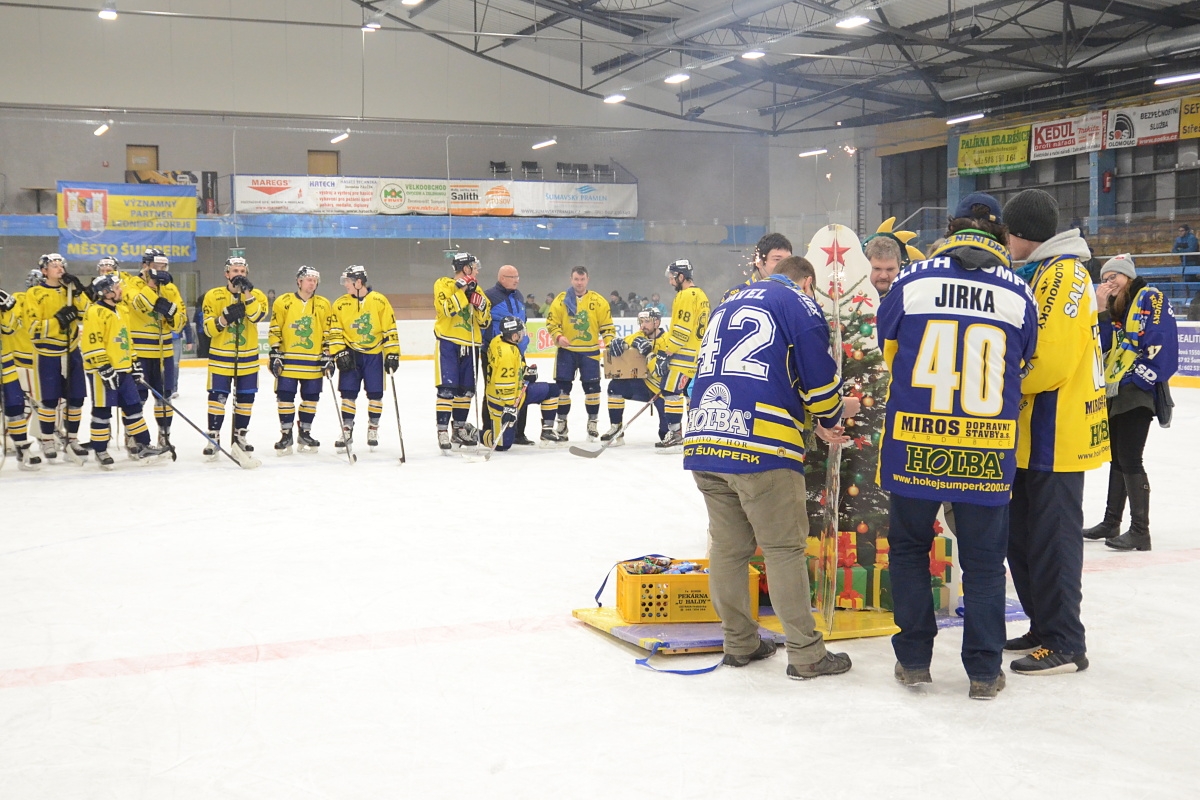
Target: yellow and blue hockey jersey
367	325
152	333
585	321
689	318
106	338
764	362
505	373
300	329
957	330
42	302
19	346
1143	348
233	350
1063	426
456	319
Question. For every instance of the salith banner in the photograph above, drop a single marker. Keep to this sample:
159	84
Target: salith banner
1001	150
121	220
284	194
1131	127
1067	137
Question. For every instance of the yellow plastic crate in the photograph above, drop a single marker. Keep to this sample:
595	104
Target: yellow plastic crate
672	598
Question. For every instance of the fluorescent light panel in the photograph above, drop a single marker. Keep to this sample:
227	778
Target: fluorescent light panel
1193	76
546	143
678	77
103	129
109	11
341	137
851	22
820	152
615	98
967	118
751	55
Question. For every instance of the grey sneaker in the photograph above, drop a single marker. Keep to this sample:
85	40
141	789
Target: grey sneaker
765	649
831	664
1025	643
986	690
912	677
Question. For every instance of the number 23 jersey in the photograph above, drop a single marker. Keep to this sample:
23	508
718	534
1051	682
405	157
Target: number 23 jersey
955	341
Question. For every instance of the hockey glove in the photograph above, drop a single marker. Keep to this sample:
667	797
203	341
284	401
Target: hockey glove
478	299
643	345
530	373
327	365
508	416
65	316
391	363
7	301
345	360
234	313
165	308
661	367
241	284
136	372
276	360
70	280
109	376
162	277
616	347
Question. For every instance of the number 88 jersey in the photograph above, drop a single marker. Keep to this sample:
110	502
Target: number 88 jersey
955	340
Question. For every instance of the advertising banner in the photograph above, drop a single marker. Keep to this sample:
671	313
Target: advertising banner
121	220
270	194
1002	150
1067	137
1189	350
334	194
1130	127
613	200
1189	118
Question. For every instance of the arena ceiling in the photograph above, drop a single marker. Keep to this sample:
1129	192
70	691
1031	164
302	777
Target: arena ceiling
909	59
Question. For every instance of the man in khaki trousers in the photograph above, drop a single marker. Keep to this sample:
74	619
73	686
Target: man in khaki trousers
764	364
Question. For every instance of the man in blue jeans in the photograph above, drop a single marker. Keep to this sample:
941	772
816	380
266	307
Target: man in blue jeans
957	331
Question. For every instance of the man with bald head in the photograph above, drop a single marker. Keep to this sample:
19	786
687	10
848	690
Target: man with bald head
507	301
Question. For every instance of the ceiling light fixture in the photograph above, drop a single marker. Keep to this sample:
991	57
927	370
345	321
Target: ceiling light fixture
967	118
542	247
851	22
1192	76
678	77
109	10
615	98
103	129
547	143
410	2
371	27
820	152
341	137
751	55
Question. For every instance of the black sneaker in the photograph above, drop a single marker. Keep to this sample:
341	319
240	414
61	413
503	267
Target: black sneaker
1049	662
1025	643
912	677
831	664
765	649
524	440
986	690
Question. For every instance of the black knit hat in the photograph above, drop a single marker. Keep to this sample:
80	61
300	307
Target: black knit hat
1032	215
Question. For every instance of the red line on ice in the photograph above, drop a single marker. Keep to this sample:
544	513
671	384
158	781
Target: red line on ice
278	651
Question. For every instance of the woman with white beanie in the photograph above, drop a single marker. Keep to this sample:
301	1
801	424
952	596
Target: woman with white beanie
1137	332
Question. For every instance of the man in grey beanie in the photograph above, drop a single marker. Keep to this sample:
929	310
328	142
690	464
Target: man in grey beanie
1062	431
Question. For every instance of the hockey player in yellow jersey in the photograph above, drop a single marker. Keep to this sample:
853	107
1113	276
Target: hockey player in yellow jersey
676	363
580	323
53	309
648	340
462	311
156	311
12	396
365	346
231	313
299	340
114	371
510	384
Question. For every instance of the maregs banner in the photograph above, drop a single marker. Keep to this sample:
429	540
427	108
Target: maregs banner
1132	127
1067	137
1002	150
120	220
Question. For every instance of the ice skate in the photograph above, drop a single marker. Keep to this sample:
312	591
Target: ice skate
77	453
593	431
671	443
372	436
560	428
27	460
105	459
284	446
239	441
210	449
444	441
305	443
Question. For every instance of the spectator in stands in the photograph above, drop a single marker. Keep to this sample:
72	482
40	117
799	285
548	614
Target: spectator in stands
270	298
619	309
532	309
1137	332
1194	308
545	309
634	303
1186	242
656	302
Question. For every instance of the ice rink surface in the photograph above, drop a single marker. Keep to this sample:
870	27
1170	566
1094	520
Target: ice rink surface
312	629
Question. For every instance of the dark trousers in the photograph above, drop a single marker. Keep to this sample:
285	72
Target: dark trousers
983	540
1127	438
1045	555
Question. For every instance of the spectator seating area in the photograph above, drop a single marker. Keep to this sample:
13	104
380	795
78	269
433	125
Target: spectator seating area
1178	283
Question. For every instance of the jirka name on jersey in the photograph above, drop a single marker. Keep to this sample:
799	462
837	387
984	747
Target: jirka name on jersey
972	298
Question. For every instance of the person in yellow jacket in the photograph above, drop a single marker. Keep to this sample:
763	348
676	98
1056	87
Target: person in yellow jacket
580	323
115	371
156	311
463	312
676	364
12	395
299	340
231	313
53	309
510	384
648	340
1062	431
365	346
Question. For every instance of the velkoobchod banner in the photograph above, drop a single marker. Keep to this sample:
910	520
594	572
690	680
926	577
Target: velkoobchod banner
120	220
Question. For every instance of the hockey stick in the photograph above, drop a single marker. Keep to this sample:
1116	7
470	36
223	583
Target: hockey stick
577	450
396	404
162	377
345	429
248	463
486	455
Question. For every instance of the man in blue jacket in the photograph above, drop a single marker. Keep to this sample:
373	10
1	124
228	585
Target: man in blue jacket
1186	242
507	301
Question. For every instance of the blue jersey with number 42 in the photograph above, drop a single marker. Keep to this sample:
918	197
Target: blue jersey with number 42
955	341
764	361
